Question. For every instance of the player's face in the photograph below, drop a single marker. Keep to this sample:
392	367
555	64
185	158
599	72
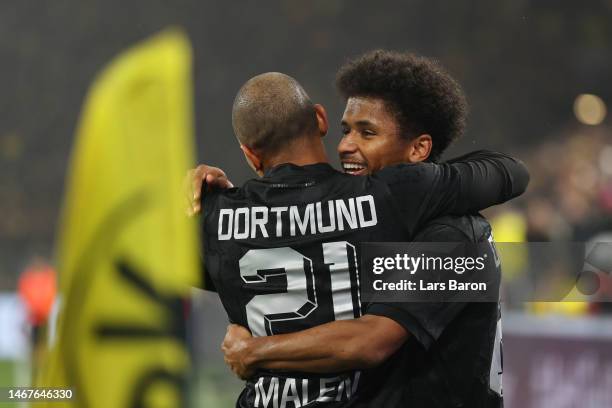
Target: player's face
371	138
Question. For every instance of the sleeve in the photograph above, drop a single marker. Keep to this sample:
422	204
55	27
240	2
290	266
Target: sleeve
207	281
468	184
426	321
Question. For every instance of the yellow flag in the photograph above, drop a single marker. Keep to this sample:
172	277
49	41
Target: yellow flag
127	253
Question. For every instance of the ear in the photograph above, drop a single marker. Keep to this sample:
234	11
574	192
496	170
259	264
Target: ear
253	159
420	148
321	119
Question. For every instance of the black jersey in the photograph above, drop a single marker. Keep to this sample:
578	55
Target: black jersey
281	251
453	357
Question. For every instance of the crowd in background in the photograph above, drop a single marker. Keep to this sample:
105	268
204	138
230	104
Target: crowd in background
569	200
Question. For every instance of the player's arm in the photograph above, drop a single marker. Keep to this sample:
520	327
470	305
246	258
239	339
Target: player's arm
489	178
211	177
465	185
332	347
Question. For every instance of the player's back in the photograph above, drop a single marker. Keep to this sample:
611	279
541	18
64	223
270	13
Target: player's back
282	250
282	254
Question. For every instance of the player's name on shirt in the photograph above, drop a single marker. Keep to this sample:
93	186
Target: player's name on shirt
308	218
279	392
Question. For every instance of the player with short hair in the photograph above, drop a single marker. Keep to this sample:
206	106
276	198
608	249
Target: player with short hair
281	250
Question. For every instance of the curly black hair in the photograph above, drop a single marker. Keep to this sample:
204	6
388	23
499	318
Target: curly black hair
423	97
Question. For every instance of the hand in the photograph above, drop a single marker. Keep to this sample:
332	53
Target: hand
235	350
214	177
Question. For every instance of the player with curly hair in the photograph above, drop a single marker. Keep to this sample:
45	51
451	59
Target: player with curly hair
416	91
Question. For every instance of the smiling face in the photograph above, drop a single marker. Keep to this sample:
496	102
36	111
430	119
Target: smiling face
371	138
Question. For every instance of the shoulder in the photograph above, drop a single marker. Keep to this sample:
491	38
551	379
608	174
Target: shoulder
215	198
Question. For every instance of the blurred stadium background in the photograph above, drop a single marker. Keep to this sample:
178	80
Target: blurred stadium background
536	73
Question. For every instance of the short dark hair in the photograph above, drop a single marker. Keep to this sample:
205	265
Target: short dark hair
270	110
422	96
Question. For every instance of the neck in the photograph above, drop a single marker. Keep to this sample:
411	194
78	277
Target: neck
302	152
